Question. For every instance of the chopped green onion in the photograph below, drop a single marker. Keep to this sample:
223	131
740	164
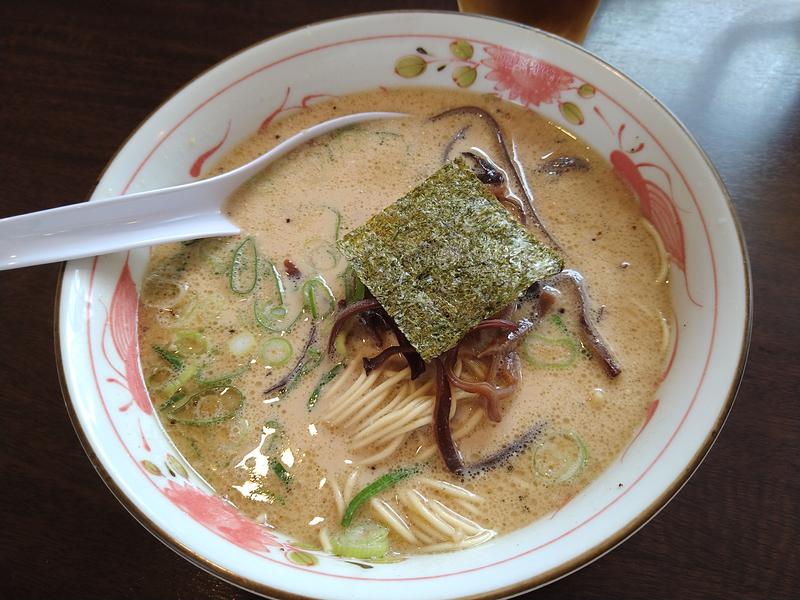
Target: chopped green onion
366	540
210	406
559	323
376	487
218	380
535	345
173	359
275	431
274	318
175	384
281	472
190	342
354	289
310	297
323	381
174	402
158	376
280	289
340	344
244	267
276	352
338	226
561	457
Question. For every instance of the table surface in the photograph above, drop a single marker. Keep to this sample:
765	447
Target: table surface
77	77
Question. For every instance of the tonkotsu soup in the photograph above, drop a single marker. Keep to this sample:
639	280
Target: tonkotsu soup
253	347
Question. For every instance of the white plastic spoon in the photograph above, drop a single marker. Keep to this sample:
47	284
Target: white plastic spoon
183	212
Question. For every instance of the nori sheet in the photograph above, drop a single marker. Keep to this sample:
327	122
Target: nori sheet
446	256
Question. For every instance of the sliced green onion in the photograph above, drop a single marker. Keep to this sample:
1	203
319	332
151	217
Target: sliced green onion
276	352
561	457
173	385
535	345
219	379
366	540
559	323
338	226
174	402
275	431
210	406
281	472
158	376
310	302
360	290
173	359
323	381
280	289
354	289
162	292
244	267
274	318
322	255
190	342
376	487
340	344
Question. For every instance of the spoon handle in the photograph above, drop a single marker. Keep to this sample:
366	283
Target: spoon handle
183	212
111	225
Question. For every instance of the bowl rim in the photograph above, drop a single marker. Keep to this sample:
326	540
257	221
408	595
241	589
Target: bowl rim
588	556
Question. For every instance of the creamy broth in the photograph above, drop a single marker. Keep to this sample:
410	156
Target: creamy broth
293	211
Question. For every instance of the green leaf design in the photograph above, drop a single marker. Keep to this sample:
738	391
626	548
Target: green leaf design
571	113
464	76
410	66
304	559
586	91
461	49
176	466
151	467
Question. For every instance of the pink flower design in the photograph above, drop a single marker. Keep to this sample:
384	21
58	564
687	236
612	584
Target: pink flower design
121	324
531	80
221	517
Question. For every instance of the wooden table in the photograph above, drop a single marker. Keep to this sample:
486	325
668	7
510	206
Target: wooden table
77	77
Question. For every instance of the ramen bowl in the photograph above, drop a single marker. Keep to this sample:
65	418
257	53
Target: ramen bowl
651	151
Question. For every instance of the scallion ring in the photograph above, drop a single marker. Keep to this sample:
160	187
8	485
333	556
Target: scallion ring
561	457
244	267
210	406
275	352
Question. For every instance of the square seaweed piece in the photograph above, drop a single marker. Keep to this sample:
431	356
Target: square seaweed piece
446	256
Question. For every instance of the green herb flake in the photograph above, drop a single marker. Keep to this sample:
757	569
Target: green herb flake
446	256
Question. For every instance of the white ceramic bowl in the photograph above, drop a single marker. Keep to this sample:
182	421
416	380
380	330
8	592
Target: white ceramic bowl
650	149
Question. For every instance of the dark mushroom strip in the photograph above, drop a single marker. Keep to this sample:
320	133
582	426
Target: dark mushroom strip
563	164
443	434
484	169
458	135
487	389
413	358
346	313
528	209
495	324
533	304
370	364
590	333
278	387
494	178
372	306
